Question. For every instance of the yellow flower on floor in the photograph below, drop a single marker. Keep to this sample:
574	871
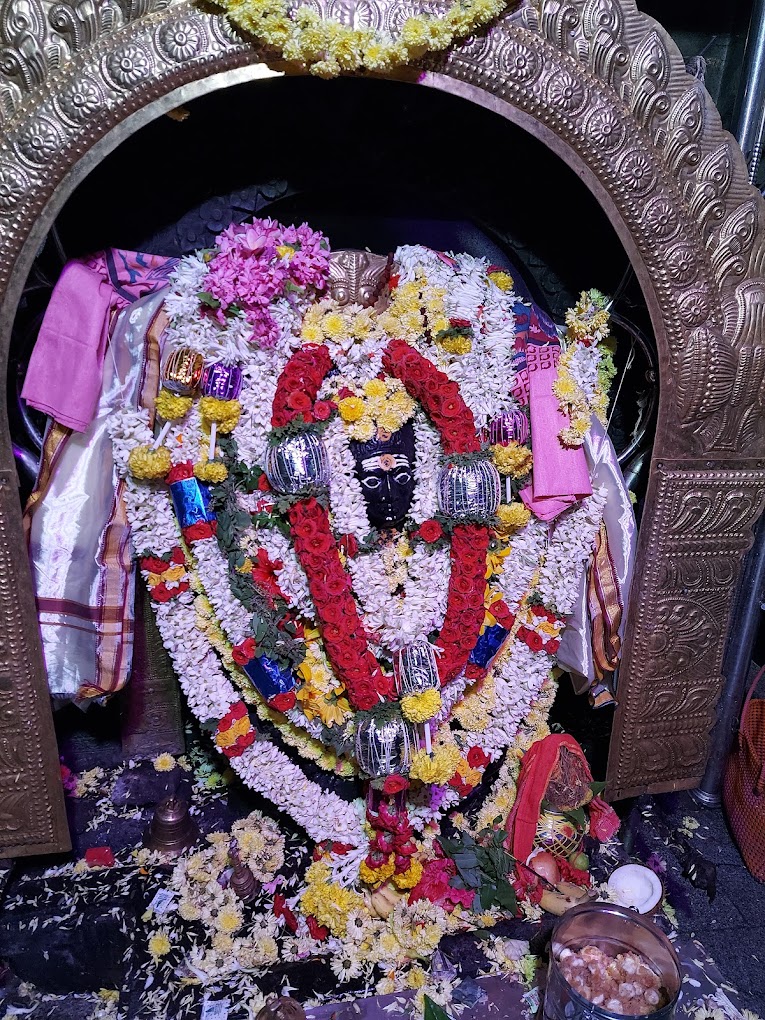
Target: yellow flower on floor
351	408
164	762
514	459
330	904
416	977
420	707
159	945
228	919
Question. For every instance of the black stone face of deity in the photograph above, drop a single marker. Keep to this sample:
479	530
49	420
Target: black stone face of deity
385	468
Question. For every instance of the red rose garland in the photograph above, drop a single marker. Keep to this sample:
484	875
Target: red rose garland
318	553
330	586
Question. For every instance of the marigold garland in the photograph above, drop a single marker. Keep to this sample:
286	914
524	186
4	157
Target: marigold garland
328	47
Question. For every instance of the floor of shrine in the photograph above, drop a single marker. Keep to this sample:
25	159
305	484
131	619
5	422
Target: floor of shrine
73	945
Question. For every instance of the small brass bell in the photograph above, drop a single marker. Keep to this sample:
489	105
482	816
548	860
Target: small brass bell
172	829
244	884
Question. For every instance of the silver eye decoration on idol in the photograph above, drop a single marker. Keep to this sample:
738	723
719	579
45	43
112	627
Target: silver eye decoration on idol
415	668
298	463
385	748
469	490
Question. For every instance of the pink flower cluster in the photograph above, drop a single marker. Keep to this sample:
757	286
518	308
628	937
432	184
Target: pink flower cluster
260	261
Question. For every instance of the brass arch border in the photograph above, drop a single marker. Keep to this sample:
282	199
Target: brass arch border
605	88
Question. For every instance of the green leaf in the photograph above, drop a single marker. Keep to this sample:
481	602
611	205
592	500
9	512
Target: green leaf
206	298
506	897
487	894
432	1011
597	788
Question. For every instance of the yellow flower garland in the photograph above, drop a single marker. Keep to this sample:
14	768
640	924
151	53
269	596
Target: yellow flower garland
418	708
329	48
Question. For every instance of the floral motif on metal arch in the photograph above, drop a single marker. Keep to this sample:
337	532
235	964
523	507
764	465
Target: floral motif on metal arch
79	101
38	141
180	40
694	307
682	264
566	92
358	14
520	63
13	186
128	65
605	128
636	172
660	218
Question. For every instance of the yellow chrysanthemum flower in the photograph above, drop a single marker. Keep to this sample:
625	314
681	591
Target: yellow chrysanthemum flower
225	413
502	280
311	333
375	388
210	471
416	978
362	430
229	919
159	945
351	408
144	462
437	768
456	344
164	762
565	388
171	407
333	325
418	708
512	516
514	459
408	879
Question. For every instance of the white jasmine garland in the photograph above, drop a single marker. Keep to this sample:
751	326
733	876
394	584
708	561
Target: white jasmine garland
400	619
583	363
526	551
348	509
427	447
569	552
212	569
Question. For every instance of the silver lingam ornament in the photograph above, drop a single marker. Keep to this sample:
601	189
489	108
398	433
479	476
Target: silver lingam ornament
416	670
469	490
297	463
385	748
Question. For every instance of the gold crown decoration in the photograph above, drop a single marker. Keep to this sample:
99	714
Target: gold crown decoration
357	277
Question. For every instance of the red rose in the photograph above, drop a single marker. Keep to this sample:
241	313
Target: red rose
153	565
553	646
317	931
322	409
263	483
459	323
161	593
283	702
434	886
384	685
200	530
99	857
349	545
178	555
430	531
245	740
395	784
477	758
244	651
179	472
534	641
474	671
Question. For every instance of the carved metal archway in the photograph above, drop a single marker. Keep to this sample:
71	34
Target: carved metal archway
605	88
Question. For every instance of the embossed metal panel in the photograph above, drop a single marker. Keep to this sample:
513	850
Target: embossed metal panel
601	85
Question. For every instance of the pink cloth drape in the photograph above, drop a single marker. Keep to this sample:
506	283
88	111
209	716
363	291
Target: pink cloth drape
65	371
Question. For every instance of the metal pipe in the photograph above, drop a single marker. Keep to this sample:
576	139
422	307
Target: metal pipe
738	658
750	117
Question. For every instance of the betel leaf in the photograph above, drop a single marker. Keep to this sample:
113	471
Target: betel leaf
432	1011
506	897
487	894
206	298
